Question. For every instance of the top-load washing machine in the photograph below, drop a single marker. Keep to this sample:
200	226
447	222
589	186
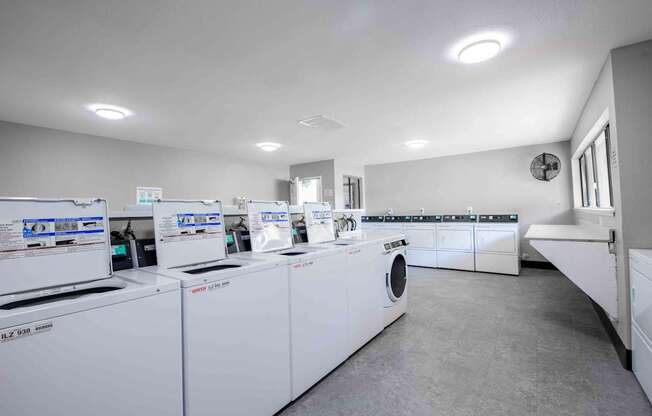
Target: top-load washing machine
421	234
236	324
73	336
318	293
456	242
497	244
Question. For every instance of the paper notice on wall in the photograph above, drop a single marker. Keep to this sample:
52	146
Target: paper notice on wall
187	225
145	195
21	237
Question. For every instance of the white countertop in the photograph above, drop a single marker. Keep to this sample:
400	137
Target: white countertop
568	233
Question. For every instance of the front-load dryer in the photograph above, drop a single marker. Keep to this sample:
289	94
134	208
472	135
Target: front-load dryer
421	234
394	280
497	244
456	242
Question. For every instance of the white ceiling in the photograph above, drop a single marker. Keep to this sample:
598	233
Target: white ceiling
221	76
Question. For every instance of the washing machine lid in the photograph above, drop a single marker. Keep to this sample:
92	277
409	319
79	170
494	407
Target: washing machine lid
188	232
124	286
52	242
270	226
396	277
319	222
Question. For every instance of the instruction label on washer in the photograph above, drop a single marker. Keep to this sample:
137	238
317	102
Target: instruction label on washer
45	236
190	226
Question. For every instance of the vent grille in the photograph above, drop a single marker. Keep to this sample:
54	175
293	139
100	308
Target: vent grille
321	122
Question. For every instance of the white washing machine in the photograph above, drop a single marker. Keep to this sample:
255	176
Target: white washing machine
497	244
80	338
394	279
236	323
421	234
456	242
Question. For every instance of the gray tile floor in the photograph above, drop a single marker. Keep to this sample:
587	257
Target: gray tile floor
480	344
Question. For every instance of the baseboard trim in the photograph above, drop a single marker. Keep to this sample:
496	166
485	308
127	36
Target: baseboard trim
624	354
538	265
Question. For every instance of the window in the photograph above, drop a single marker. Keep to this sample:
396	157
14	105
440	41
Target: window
308	190
594	172
352	192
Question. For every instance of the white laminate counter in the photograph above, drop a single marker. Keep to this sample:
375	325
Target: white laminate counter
569	233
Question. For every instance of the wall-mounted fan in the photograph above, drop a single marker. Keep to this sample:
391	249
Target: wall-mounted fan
545	167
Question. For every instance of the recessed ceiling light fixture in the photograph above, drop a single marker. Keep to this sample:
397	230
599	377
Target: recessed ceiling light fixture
416	144
268	146
110	112
479	51
481	46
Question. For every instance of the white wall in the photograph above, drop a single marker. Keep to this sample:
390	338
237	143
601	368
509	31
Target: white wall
492	182
44	163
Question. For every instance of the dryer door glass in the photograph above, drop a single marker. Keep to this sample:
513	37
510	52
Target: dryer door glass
397	279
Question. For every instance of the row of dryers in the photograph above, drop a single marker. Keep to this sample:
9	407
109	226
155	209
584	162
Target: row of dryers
198	334
484	243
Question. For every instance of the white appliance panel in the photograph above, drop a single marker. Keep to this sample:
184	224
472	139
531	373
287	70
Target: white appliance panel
455	237
496	239
121	359
642	360
456	260
319	320
421	258
496	263
237	345
420	237
365	265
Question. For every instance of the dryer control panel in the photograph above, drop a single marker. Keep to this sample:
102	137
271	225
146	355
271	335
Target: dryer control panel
499	218
426	218
398	218
460	218
372	218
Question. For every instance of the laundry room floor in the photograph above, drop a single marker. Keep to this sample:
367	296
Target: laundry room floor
481	344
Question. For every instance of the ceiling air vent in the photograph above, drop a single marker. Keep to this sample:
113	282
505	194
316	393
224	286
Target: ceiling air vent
321	122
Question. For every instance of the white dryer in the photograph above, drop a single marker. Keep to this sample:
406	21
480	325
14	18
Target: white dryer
497	244
421	234
456	242
81	338
236	323
394	279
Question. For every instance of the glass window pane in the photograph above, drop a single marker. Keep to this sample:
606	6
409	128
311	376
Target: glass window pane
602	171
309	190
590	177
584	182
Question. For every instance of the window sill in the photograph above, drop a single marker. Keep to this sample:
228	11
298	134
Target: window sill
604	212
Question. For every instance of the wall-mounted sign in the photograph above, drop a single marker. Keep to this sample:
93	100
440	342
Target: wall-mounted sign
145	195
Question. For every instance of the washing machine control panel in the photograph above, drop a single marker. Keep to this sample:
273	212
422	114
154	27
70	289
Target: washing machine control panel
372	218
499	218
460	218
391	245
426	218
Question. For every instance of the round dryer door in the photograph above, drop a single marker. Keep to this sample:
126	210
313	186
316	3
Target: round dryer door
396	277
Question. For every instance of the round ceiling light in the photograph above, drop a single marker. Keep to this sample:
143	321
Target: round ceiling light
479	51
268	146
110	112
416	144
